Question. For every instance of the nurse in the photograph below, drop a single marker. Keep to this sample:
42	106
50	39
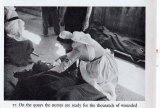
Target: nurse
97	65
17	48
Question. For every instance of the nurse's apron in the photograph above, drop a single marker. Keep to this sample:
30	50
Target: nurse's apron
101	73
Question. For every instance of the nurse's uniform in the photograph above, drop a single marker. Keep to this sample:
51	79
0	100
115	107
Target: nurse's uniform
97	65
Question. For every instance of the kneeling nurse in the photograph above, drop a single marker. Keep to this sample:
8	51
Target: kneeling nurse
97	65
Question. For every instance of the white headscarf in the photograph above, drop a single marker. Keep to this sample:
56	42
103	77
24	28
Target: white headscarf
80	37
10	7
10	12
76	36
65	35
14	29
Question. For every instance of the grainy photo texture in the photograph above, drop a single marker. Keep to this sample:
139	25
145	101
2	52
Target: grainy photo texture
74	53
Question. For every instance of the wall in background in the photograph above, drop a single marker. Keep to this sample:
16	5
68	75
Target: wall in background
129	21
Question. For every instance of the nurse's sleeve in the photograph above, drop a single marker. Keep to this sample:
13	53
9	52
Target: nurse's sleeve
70	59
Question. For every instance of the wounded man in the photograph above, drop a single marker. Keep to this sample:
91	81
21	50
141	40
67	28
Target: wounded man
41	83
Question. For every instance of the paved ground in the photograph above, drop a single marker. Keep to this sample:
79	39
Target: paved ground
131	76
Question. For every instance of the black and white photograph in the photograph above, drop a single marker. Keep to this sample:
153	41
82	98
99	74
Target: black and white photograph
87	53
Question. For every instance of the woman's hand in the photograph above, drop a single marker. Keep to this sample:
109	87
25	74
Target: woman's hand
59	60
62	58
85	24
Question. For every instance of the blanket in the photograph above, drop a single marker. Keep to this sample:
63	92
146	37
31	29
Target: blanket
51	85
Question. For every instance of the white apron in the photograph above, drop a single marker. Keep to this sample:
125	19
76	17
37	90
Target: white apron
101	73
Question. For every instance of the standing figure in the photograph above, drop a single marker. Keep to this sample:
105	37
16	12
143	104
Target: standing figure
76	18
46	13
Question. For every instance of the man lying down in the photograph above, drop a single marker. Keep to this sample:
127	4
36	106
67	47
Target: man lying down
95	79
